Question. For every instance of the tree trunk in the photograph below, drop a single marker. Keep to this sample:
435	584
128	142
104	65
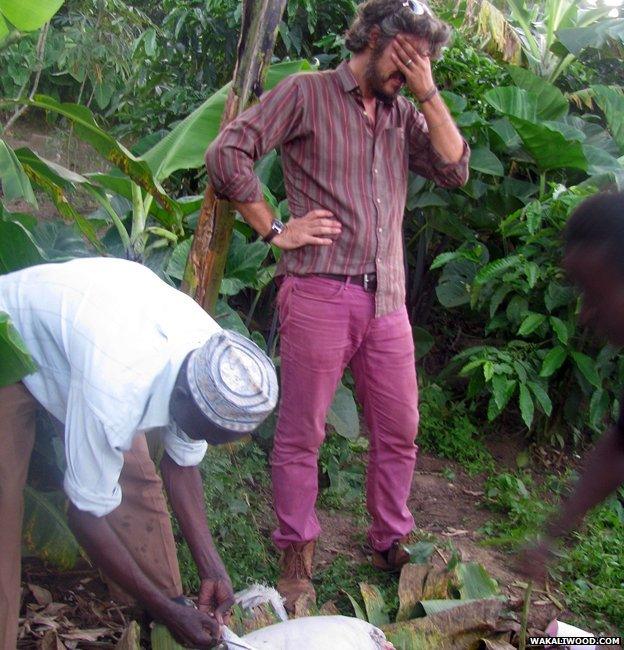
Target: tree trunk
206	262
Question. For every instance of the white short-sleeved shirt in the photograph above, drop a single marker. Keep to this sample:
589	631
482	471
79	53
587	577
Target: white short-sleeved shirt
109	337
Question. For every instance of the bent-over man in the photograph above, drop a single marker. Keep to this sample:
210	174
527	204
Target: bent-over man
119	352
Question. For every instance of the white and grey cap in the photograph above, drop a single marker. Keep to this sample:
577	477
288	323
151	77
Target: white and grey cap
232	381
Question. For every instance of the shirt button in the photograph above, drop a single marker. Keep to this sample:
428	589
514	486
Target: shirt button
380	229
378	200
376	171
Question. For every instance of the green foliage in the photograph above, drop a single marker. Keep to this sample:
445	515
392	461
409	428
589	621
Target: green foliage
343	472
593	569
517	498
16	362
236	488
446	429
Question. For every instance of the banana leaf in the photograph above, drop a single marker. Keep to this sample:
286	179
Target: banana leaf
45	531
184	146
15	183
15	360
28	15
111	150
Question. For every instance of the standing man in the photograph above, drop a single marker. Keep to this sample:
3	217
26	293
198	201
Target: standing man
120	352
594	237
348	139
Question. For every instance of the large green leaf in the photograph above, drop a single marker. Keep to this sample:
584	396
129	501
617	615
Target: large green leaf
553	361
475	582
576	39
343	415
15	360
551	102
484	161
4	28
15	183
54	180
587	366
527	407
184	146
45	531
513	102
18	248
29	15
455	282
88	130
549	147
242	268
611	103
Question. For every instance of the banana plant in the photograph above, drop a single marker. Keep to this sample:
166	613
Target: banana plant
17	16
549	33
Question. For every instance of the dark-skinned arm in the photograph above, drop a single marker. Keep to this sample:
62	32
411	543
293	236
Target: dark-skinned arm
189	626
186	495
603	474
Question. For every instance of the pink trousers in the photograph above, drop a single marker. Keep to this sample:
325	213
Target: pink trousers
325	326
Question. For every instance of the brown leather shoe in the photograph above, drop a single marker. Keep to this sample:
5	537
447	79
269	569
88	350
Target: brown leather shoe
393	558
295	582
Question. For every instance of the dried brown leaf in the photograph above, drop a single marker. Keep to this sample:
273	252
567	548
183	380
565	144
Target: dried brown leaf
329	609
86	635
50	641
411	586
42	596
131	638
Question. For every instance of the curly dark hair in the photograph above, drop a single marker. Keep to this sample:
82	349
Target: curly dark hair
393	17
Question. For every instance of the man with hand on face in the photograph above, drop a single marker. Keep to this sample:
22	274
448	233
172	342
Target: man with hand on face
348	140
594	238
120	352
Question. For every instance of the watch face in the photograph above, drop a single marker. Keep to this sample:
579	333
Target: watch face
277	226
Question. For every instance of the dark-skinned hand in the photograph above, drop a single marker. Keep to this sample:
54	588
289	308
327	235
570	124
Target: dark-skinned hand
216	597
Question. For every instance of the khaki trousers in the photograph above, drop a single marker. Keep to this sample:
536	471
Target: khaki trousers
141	522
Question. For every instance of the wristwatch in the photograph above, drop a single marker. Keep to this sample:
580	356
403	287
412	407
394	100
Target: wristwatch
277	228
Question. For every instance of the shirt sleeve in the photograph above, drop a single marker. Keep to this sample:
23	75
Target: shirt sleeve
184	451
93	466
426	161
275	119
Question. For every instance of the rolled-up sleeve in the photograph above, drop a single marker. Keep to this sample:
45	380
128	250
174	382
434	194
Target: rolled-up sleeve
93	466
426	161
275	119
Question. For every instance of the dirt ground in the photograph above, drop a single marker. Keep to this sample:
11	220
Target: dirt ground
447	510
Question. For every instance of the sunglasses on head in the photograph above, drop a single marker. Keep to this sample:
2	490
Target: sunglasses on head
416	7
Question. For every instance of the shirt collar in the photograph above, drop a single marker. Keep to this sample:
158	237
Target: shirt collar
347	78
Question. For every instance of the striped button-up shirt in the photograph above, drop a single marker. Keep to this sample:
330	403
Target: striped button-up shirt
335	158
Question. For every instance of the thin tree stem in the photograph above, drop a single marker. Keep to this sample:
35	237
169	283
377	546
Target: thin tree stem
43	35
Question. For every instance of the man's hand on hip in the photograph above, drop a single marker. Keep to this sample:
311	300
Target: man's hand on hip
317	227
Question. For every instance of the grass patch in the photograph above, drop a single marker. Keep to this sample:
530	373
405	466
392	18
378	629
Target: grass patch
590	572
593	569
342	577
447	430
238	504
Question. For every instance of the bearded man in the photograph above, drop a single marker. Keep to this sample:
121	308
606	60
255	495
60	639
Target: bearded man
348	140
